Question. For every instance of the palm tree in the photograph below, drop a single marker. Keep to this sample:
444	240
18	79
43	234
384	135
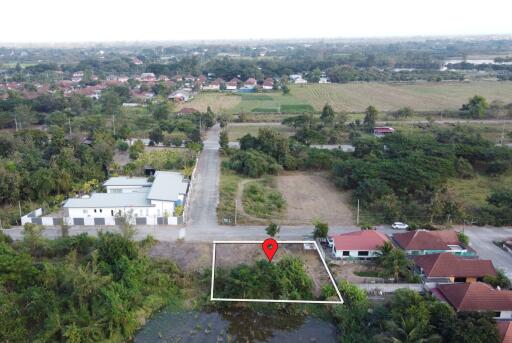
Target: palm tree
406	330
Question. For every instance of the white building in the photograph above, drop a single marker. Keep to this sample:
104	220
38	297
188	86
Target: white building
358	244
135	196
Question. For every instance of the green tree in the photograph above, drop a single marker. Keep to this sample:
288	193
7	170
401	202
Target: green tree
370	118
500	280
285	89
156	135
328	114
476	107
136	149
321	230
273	229
110	102
224	140
394	263
161	111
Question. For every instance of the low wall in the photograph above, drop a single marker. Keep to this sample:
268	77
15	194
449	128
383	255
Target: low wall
36	217
390	287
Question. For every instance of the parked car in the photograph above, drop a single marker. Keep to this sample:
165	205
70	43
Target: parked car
399	226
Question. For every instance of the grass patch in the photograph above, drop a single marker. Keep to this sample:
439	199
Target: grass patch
265	110
472	193
238	131
249	97
228	186
299	108
261	200
368	273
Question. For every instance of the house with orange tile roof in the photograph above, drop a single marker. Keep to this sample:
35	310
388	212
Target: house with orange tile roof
358	244
477	297
423	242
505	330
448	268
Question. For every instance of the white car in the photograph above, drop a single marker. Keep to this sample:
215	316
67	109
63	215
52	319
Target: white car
399	226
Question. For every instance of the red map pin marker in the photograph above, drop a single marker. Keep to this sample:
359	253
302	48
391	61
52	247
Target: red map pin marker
269	247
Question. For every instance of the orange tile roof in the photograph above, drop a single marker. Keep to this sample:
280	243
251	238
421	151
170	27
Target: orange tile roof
476	296
505	330
360	240
426	240
447	264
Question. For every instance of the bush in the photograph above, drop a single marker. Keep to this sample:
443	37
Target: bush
122	145
253	163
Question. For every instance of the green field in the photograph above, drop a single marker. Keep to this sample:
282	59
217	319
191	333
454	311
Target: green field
355	97
421	96
472	193
237	131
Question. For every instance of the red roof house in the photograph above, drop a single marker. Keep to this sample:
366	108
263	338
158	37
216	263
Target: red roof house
505	330
456	269
382	131
358	244
422	242
476	296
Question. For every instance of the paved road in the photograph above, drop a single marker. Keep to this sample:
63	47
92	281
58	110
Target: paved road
204	197
481	239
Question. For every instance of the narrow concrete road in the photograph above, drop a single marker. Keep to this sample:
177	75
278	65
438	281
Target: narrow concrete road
205	194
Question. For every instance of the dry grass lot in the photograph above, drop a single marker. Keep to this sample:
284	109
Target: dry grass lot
219	102
421	96
311	196
198	256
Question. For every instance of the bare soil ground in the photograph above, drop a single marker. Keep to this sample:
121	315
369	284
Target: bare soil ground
311	196
198	256
345	270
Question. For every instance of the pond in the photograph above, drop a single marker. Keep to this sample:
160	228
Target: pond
234	325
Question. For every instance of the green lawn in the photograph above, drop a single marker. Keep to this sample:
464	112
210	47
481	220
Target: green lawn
474	192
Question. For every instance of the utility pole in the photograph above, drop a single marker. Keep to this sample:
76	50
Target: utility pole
69	122
114	123
236	209
357	220
19	207
16	122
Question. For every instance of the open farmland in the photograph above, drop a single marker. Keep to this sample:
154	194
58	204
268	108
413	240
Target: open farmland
272	103
238	130
421	96
219	102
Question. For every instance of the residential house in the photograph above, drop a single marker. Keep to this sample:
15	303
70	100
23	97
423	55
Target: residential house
181	95
300	81
268	85
232	85
382	131
250	83
505	330
135	198
124	184
202	79
476	297
147	77
214	85
358	244
136	61
187	111
177	78
190	78
422	242
448	268
324	80
163	78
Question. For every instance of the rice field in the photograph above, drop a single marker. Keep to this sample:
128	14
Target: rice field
421	96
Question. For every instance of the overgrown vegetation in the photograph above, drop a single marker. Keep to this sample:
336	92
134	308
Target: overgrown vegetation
80	288
263	201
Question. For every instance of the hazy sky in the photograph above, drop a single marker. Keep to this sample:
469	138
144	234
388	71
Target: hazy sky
129	20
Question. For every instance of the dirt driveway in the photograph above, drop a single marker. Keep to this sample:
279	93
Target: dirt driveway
311	196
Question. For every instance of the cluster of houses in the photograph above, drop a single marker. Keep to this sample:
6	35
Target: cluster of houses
450	270
145	201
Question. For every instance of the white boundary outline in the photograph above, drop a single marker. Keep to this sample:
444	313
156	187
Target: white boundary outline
276	300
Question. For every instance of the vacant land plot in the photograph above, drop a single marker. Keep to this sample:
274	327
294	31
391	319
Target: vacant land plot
237	131
272	103
219	102
349	270
472	193
260	199
311	196
421	96
198	256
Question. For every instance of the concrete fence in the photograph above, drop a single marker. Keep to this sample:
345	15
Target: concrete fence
36	217
190	190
